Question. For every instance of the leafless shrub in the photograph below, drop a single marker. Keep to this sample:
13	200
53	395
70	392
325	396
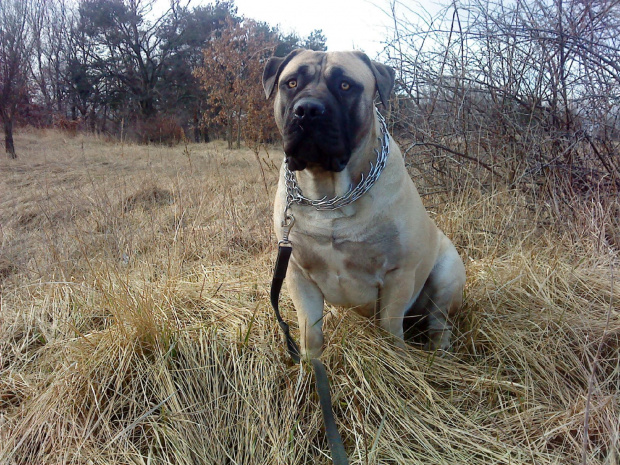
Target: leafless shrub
69	126
523	94
160	130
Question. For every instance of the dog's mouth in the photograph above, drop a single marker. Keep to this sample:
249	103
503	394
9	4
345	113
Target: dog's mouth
304	151
318	141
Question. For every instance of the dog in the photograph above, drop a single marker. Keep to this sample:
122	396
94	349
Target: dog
380	253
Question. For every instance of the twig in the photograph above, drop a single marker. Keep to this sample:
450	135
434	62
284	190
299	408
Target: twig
460	154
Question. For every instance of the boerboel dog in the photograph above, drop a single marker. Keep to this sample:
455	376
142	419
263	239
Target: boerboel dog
361	236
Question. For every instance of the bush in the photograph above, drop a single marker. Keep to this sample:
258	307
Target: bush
160	130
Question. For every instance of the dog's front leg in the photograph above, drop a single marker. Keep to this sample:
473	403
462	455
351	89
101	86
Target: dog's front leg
308	301
394	299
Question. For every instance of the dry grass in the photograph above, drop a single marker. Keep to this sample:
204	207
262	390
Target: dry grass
135	325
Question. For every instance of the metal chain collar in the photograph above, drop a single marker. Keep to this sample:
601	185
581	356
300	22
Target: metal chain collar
295	196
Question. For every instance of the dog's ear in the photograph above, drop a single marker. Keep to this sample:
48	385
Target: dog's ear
384	77
272	71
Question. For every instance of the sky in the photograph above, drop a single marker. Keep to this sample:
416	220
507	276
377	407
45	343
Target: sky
347	24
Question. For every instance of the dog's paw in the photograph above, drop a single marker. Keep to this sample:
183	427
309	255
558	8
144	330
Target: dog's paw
438	340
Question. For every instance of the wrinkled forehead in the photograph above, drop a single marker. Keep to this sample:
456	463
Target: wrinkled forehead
327	65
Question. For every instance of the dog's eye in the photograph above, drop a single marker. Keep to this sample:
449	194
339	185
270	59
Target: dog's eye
344	85
292	83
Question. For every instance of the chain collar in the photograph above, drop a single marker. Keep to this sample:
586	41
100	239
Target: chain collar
295	196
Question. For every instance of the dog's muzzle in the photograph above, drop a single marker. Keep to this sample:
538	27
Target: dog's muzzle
314	134
307	111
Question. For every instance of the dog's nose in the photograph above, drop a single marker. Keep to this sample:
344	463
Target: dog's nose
308	109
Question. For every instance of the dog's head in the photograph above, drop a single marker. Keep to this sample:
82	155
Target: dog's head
325	104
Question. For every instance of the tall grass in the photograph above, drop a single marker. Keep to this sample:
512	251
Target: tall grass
135	325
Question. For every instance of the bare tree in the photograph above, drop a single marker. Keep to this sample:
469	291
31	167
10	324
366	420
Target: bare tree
51	29
130	47
15	47
524	91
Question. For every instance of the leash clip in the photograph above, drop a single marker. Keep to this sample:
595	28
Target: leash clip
287	225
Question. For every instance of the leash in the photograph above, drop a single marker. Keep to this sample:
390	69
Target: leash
294	195
336	447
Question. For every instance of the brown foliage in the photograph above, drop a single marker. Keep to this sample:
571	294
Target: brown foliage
67	125
160	130
233	65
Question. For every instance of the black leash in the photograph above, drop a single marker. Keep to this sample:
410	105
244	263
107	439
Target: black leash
339	456
279	273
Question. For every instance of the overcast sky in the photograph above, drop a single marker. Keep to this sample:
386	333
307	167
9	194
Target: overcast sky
347	24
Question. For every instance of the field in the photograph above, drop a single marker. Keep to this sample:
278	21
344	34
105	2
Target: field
135	324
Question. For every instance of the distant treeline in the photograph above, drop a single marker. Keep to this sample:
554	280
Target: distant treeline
133	70
526	93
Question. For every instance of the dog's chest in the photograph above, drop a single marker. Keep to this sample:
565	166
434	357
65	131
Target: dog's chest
347	260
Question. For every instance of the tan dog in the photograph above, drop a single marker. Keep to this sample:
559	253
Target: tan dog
381	254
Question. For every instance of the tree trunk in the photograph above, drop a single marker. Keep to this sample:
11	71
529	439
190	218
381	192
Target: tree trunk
8	138
104	125
196	127
147	107
239	127
230	132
